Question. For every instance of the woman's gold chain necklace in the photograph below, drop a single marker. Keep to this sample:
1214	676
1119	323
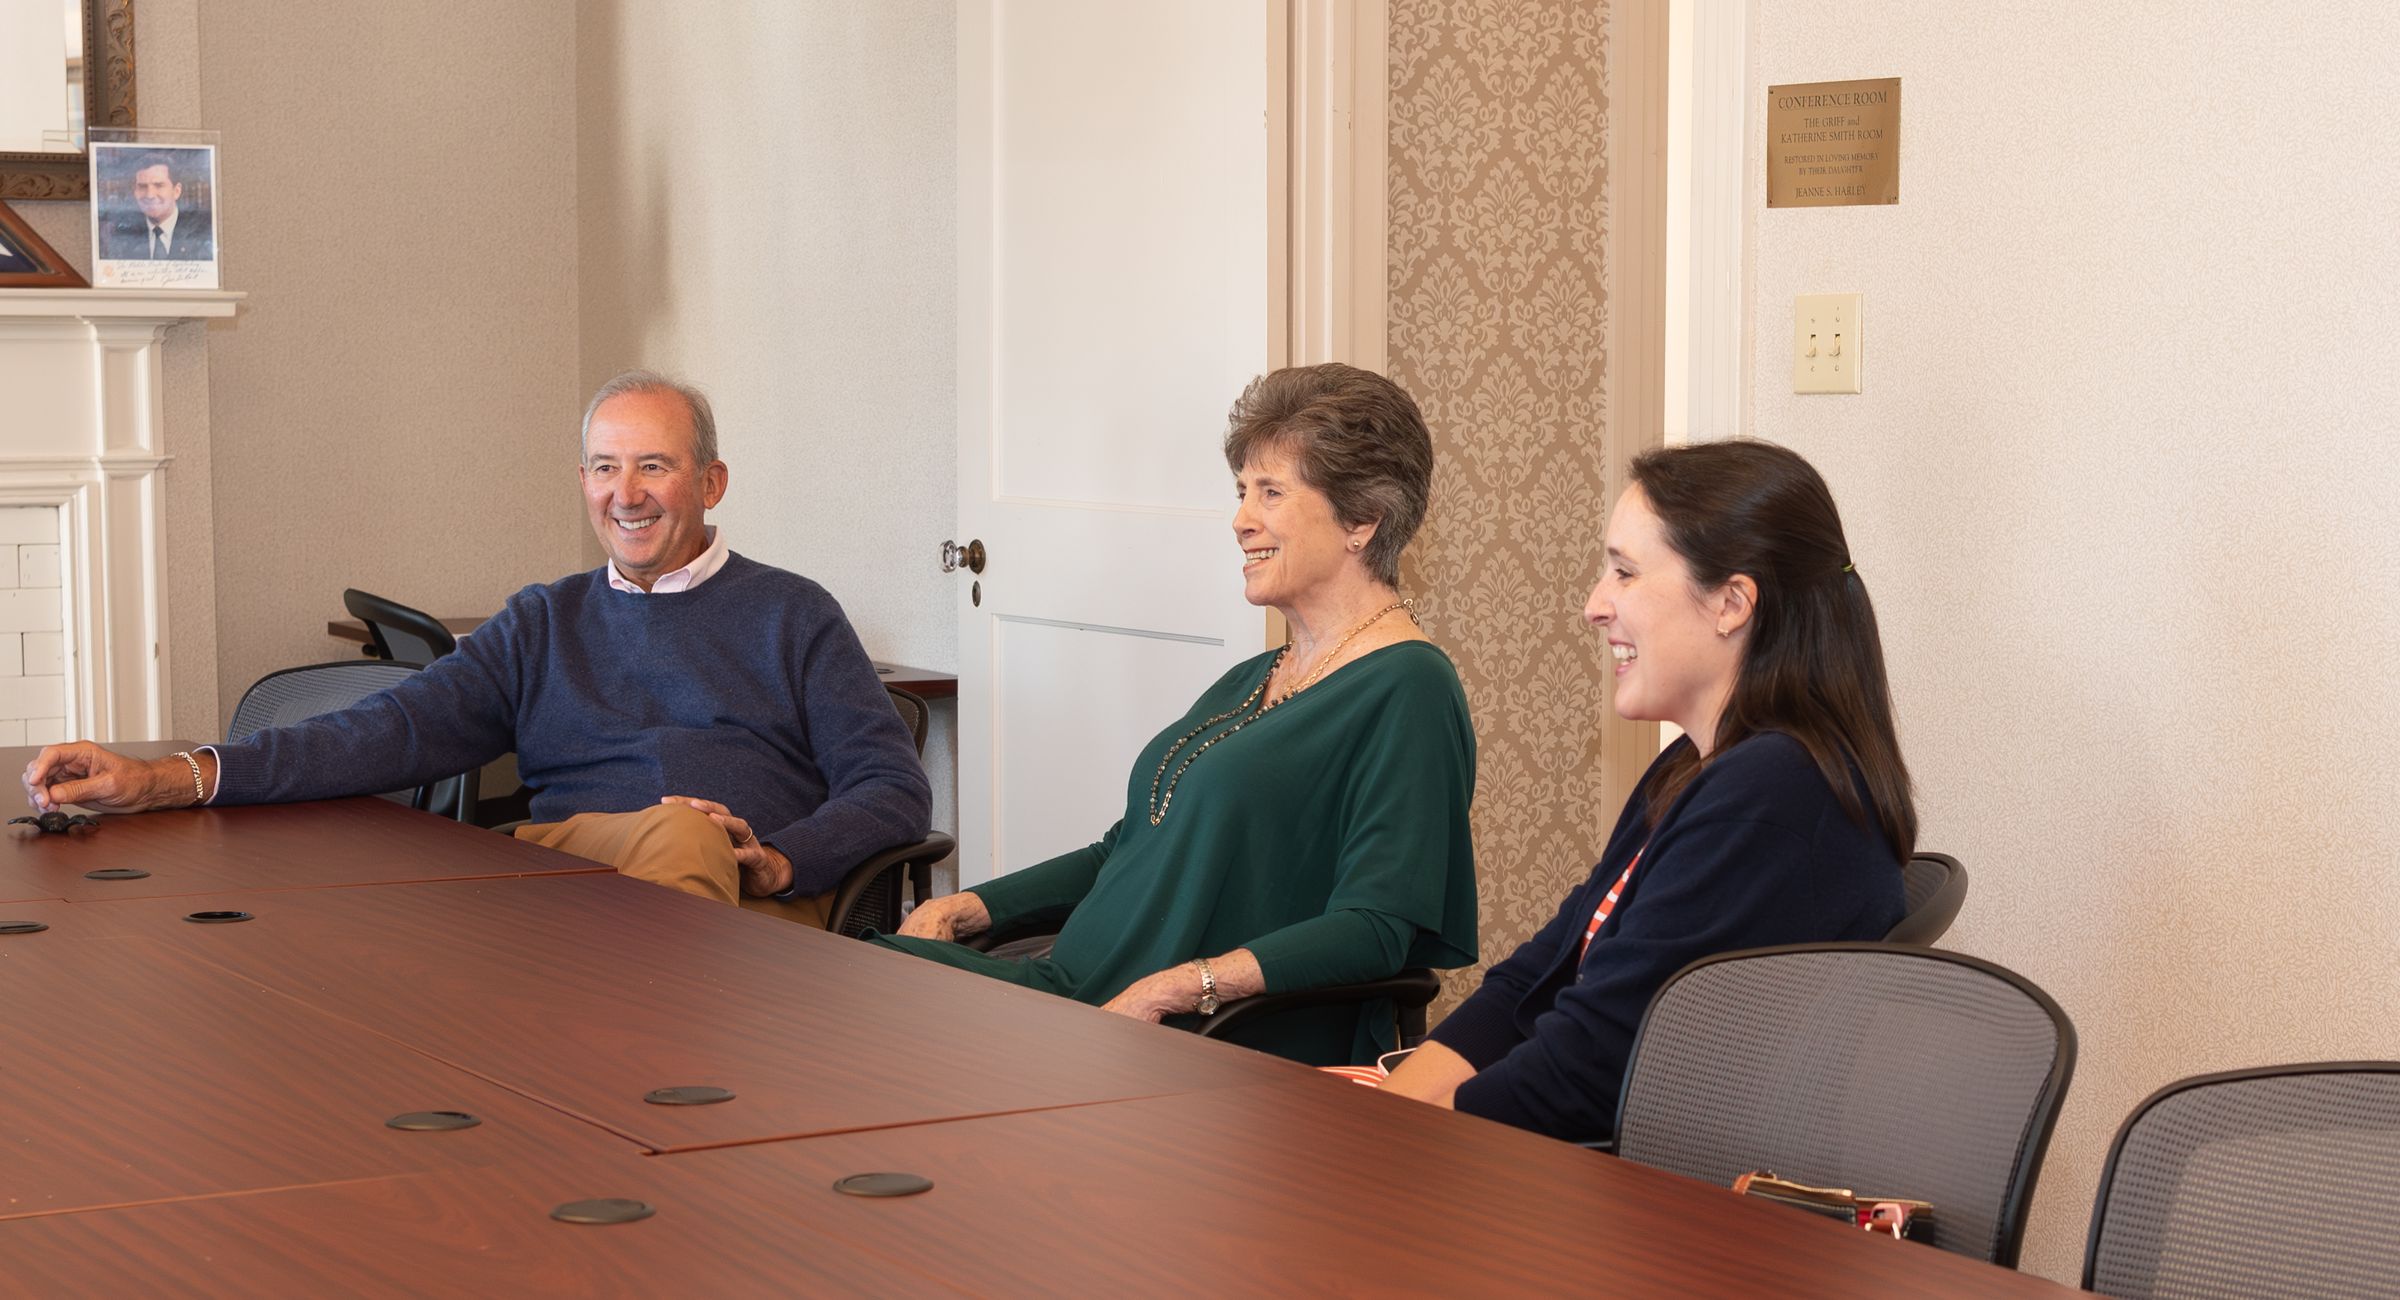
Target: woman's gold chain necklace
1158	803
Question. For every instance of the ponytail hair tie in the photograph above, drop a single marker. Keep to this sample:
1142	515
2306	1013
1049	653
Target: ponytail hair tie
1849	568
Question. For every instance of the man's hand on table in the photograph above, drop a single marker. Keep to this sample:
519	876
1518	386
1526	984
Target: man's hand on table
81	772
764	870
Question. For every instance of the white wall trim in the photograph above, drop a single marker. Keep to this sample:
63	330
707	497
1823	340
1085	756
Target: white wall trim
87	436
1328	188
1707	216
170	306
1328	116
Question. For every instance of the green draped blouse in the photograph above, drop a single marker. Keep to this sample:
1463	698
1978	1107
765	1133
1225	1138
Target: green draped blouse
1329	837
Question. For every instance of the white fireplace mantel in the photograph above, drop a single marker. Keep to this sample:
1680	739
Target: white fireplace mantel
83	429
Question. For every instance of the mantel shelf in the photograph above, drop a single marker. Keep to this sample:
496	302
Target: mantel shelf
119	304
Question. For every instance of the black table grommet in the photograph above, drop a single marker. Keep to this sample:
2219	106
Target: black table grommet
883	1185
606	1209
23	927
117	873
687	1096
217	918
432	1121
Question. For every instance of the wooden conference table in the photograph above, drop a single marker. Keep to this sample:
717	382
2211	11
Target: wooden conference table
199	1107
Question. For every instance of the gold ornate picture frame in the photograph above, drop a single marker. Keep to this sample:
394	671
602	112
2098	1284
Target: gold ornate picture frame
108	101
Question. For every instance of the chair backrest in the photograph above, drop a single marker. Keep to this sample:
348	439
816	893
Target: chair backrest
912	709
1935	886
290	695
396	632
1889	1070
2277	1182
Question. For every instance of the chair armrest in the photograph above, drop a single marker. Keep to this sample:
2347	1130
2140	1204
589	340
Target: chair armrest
1024	939
1410	990
1034	939
505	811
897	859
1932	916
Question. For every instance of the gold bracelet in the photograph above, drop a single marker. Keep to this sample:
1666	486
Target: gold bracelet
199	787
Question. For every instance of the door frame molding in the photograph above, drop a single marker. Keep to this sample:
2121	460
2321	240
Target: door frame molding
1639	83
1708	209
1328	154
1328	188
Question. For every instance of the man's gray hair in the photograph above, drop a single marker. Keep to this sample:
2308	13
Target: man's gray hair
704	420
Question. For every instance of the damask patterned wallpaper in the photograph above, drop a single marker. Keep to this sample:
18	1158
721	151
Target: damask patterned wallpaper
1498	327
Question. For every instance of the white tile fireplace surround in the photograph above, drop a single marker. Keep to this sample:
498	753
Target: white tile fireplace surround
82	434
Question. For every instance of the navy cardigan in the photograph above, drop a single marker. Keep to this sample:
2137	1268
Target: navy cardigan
1755	851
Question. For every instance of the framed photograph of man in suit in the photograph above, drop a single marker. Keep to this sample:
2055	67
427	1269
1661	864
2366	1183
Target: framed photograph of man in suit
154	210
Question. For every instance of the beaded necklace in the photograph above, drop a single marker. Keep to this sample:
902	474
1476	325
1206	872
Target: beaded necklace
1159	803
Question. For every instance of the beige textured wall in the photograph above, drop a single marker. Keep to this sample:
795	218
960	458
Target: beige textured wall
768	207
394	407
1498	316
2122	483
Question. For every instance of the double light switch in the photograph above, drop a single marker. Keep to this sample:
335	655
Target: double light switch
1826	342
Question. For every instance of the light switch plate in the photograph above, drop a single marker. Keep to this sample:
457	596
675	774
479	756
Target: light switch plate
1828	341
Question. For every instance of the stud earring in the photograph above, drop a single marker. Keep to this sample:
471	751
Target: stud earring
1355	544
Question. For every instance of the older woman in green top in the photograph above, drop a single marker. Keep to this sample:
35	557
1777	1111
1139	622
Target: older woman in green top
1304	823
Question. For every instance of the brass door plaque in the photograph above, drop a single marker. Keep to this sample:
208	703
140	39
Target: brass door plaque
1831	143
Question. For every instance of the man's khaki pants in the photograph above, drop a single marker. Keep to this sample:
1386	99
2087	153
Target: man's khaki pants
671	844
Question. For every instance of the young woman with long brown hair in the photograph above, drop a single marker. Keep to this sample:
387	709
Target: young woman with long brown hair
1731	606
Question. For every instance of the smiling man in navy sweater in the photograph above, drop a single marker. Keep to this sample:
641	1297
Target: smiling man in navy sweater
685	714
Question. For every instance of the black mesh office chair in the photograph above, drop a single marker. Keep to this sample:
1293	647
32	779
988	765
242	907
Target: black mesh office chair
1934	883
292	695
1890	1070
2256	1184
1410	991
869	896
914	711
1936	887
396	632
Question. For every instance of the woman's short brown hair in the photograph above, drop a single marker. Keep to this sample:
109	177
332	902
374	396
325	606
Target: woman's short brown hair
1355	436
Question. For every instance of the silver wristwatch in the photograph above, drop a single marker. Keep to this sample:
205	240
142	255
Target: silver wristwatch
1208	988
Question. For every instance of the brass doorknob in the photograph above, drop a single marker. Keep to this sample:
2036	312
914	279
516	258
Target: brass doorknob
970	556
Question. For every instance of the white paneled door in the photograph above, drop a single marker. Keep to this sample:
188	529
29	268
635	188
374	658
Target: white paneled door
1114	297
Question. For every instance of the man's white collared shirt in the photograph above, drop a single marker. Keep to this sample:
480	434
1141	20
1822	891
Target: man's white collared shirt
683	579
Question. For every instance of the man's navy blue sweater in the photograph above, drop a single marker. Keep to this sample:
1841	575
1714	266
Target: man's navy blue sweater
749	689
1755	851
